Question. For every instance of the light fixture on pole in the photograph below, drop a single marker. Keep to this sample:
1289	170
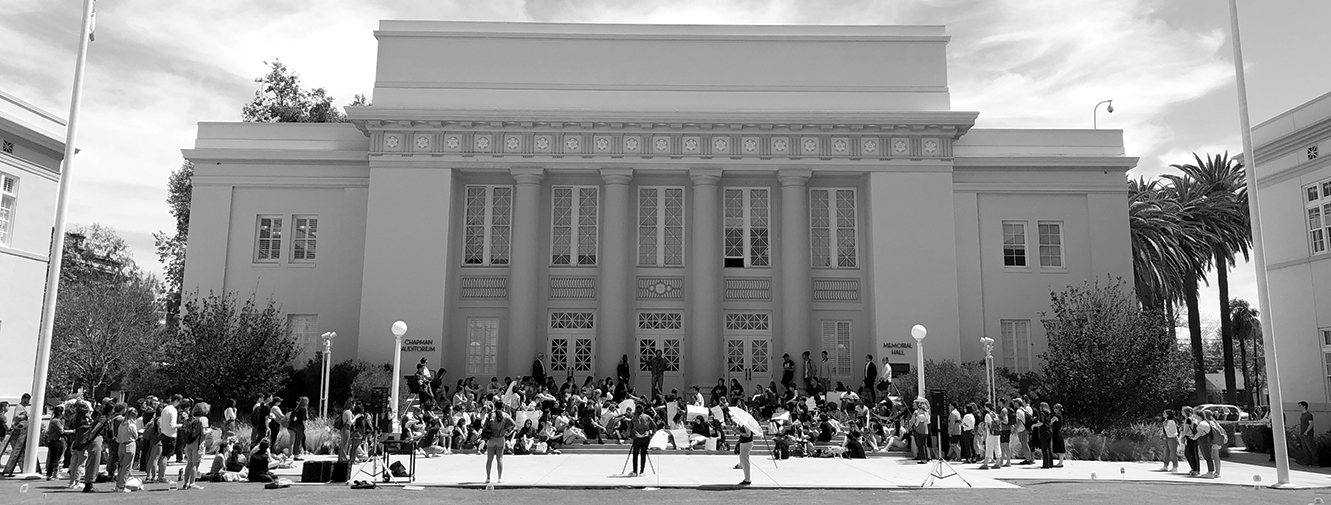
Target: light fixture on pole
918	332
1096	110
399	329
328	368
989	364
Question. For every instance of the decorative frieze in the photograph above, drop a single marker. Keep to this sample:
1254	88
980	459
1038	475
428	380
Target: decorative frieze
862	143
484	287
668	288
836	290
748	288
572	288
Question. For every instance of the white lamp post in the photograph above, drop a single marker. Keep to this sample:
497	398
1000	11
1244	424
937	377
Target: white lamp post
399	329
918	332
989	364
328	368
1095	120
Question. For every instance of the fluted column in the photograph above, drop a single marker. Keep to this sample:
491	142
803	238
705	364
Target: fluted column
617	275
705	346
523	285
796	282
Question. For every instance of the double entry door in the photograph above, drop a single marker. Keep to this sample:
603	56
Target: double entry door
749	360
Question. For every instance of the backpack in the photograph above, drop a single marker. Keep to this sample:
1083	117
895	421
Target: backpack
339	423
192	431
1218	431
85	434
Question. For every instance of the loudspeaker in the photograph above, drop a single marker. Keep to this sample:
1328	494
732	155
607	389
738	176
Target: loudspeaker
341	471
316	471
378	400
937	409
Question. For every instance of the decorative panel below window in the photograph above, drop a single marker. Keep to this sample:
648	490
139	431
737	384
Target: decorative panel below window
571	288
748	288
485	287
660	287
836	290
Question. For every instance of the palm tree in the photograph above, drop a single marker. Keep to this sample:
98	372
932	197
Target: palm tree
1154	226
1247	327
1221	179
1199	215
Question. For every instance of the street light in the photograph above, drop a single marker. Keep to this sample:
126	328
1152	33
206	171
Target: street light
918	332
328	369
399	329
1096	110
989	364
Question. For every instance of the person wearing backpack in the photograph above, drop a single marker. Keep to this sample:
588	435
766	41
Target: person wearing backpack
168	424
192	435
87	447
1217	439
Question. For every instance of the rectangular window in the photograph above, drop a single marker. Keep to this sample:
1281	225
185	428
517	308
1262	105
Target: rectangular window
574	225
482	345
268	243
662	331
836	341
488	217
304	238
660	227
1014	244
1316	236
304	330
1319	217
1051	244
1016	336
748	216
1326	338
832	227
8	200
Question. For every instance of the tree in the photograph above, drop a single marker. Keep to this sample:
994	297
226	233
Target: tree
102	332
964	383
1109	362
96	253
1223	181
281	99
1248	328
225	349
171	248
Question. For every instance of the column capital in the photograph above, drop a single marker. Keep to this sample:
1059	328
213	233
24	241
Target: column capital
617	176
527	175
794	176
705	176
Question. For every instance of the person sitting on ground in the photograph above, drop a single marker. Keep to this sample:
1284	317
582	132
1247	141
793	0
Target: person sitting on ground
258	464
854	450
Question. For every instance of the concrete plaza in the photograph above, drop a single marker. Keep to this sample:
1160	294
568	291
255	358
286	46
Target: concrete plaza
682	470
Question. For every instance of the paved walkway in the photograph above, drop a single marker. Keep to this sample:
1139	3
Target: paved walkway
676	470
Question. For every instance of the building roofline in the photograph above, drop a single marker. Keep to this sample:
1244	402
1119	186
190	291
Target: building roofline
32	108
511	29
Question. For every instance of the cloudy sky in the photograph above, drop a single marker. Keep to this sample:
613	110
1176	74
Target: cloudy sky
160	66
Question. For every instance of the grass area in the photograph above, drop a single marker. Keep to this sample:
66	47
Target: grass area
1032	493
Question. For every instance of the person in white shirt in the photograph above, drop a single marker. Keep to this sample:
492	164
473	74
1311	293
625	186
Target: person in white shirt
1171	432
953	433
993	427
968	434
825	372
167	423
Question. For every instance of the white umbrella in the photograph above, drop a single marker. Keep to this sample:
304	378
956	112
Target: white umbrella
743	418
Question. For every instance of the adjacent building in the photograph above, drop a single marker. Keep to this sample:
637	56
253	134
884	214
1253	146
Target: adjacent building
723	194
1293	158
32	145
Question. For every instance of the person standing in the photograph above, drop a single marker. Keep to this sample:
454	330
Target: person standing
168	422
1020	427
1190	442
296	424
1170	429
870	378
496	427
811	381
538	368
1306	427
968	435
919	425
1214	443
745	442
658	366
18	435
1057	428
259	420
1044	422
643	427
825	372
229	420
275	418
55	441
952	436
622	372
787	372
1202	440
192	434
1005	432
993	425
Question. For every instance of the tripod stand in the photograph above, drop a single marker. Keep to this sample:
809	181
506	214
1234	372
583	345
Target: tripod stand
938	465
630	456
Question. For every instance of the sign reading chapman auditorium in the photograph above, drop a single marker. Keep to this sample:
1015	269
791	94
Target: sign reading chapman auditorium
723	194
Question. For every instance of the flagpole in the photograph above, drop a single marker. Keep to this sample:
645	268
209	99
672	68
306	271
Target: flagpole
1259	257
57	254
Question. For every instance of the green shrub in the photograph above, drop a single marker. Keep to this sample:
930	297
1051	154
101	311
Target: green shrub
1253	435
320	438
1317	455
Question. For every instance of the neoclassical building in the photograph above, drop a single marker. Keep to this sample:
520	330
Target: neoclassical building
724	194
32	146
1293	158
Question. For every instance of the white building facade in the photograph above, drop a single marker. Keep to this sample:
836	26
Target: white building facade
32	144
1293	158
724	194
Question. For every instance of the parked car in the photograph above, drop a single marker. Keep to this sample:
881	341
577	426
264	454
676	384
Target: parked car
1225	412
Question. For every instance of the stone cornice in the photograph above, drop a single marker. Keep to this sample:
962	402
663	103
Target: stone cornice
26	166
379	117
286	156
1296	141
1037	163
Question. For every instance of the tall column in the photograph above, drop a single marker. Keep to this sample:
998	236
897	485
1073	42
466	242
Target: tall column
705	261
617	275
523	286
796	282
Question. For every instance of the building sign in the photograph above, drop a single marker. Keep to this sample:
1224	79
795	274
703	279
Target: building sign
417	345
898	348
